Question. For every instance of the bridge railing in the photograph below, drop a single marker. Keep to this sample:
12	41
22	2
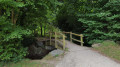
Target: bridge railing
71	37
60	37
57	37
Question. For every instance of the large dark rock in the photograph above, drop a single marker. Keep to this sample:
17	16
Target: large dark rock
49	48
36	52
40	44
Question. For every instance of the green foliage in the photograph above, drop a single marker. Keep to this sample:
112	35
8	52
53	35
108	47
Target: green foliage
95	41
28	18
12	52
98	20
10	41
103	23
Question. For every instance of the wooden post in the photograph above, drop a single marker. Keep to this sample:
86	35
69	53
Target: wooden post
63	42
55	40
71	36
50	38
81	40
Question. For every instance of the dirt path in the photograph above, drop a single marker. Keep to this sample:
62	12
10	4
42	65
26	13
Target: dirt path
84	57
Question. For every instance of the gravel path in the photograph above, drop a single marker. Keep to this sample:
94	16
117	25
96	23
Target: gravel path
85	57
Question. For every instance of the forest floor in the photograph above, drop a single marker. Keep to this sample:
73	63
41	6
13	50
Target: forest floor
78	56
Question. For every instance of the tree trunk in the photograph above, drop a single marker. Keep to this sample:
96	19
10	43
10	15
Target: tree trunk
15	18
44	31
41	31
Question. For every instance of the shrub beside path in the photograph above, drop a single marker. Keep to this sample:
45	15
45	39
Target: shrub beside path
78	56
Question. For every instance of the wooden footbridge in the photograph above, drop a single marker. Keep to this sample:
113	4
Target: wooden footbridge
59	38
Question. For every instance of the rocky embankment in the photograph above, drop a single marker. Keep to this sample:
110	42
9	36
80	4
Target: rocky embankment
38	50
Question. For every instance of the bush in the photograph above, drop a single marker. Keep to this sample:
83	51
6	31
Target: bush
12	52
11	36
103	22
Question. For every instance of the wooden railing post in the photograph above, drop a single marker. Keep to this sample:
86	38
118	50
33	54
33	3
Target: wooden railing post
50	38
81	40
63	42
55	40
71	36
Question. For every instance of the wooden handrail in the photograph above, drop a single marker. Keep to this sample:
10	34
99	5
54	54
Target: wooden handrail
66	32
57	38
77	40
63	36
77	34
71	37
59	35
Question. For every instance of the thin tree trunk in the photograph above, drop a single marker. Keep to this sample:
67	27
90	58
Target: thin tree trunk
41	31
44	31
15	19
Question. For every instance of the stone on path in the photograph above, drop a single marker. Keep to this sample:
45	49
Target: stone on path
96	45
56	52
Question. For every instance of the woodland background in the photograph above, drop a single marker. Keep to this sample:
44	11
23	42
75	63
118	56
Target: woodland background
23	20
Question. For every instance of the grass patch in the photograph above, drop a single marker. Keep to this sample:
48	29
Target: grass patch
23	63
110	49
49	57
66	49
